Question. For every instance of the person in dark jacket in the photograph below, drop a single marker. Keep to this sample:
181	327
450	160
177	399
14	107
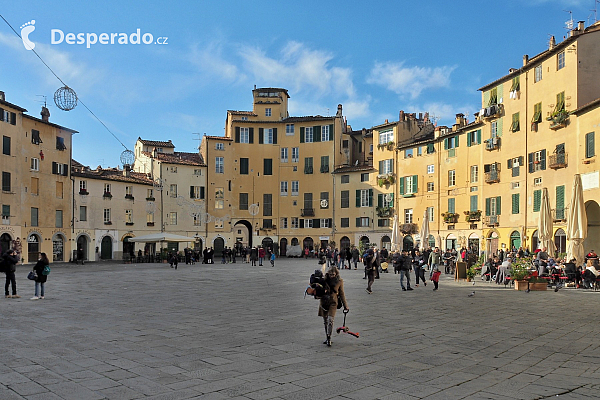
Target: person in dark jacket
11	258
370	269
418	264
355	256
405	266
40	278
328	304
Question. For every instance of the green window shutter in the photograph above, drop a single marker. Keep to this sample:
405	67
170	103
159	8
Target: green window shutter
478	136
414	184
274	135
237	134
530	162
391	203
560	197
191	192
473	203
402	191
499	126
543	160
380	167
357	222
251	135
469	139
301	134
317	133
515	203
370	197
357	198
452	205
509	163
446	144
331	133
430	148
261	134
380	200
498	205
537	200
316	223
456	141
488	202
590	146
301	223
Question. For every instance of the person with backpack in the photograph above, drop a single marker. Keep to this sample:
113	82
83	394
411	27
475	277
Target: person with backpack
405	267
370	269
41	269
11	258
328	303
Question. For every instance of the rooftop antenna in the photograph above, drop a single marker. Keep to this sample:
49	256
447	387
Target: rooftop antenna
45	98
328	111
569	23
199	138
434	119
595	10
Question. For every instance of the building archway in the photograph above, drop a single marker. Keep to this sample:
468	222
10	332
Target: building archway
34	246
128	247
492	243
58	247
106	248
592	242
474	243
82	244
267	243
283	242
308	242
365	243
5	241
560	241
408	243
344	243
218	246
243	229
515	240
295	242
534	241
451	241
386	242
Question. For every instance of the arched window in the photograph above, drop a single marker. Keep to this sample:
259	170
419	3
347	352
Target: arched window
515	240
560	241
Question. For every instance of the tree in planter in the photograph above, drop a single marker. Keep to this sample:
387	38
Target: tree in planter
471	272
472	215
450	217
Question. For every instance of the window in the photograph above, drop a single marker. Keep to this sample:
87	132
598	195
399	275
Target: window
35	186
295	154
474	138
244	118
8	116
59	219
283	223
34	216
267	112
82	213
419	151
6	181
408	215
35	164
408	153
295	223
198	172
283	188
6	145
308	201
452	205
451	142
493	206
430	186
324	164
295	188
150	218
515	185
35	137
289	129
325	133
308	223
129	217
174	169
514	164
494	129
345	222
244	166
219	165
560	102
60	144
219	146
408	185
386	166
324	203
430	148
267	204
386	136
451	178
362	222
308	135
537	182
308	165
284	155
59	190
268	166
345	199
243	201
537	200
107	216
345	179
560	60
371	148
364	198
128	191
244	135
538	74
172	218
345	144
590	146
219	198
474	173
219	224
150	194
325	222
268	135
430	214
59	169
515	127
473	188
430	169
196	192
537	161
364	177
537	113
197	219
173	191
515	197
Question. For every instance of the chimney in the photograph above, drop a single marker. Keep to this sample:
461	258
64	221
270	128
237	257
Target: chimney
525	59
420	116
2	96
401	115
339	111
552	43
386	121
580	26
45	114
126	170
460	119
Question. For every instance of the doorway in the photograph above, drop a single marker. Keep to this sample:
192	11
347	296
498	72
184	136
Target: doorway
106	248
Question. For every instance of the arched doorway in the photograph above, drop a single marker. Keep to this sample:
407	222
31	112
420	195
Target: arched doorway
58	247
267	243
344	242
592	242
33	247
106	248
295	242
492	243
515	240
474	243
386	242
451	241
365	243
408	243
308	242
218	246
5	240
128	247
560	241
283	247
82	244
243	232
534	241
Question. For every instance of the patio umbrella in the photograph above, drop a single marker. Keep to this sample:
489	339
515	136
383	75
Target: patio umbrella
577	224
425	232
545	224
395	235
161	237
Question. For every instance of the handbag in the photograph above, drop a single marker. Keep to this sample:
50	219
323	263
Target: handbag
31	276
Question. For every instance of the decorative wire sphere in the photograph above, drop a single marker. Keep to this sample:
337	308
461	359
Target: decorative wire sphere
65	98
127	157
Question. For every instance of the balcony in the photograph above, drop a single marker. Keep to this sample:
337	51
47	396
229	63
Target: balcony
307	212
107	195
129	196
492	220
493	111
492	144
558	119
492	177
556	161
386	179
384	212
559	214
450	218
83	192
5	220
472	216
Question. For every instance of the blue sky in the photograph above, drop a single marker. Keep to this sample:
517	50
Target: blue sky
375	58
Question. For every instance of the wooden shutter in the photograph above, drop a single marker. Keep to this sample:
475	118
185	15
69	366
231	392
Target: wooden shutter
261	134
456	141
486	168
414	184
474	203
537	200
530	162
488	207
499	127
560	197
317	133
543	159
13	118
331	132
1	114
515	203
301	134
380	200
237	134
451	205
509	164
54	167
251	135
274	135
380	167
590	145
498	205
316	223
191	192
469	139
357	197
370	197
201	192
478	136
357	222
301	223
391	203
402	191
446	144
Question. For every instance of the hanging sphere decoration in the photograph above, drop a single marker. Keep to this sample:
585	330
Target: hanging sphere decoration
65	98
127	158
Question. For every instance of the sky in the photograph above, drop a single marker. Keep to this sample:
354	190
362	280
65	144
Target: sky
375	58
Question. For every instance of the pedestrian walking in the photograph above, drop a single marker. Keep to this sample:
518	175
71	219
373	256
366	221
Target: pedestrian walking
418	265
328	303
435	278
355	256
272	259
173	261
40	277
434	260
261	256
370	269
253	256
11	258
405	266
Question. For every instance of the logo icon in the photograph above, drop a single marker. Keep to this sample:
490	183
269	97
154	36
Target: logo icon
26	29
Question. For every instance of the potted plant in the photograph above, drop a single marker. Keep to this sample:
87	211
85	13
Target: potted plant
520	274
107	195
471	272
472	215
538	284
450	218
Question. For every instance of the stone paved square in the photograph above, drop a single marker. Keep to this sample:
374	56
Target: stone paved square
132	331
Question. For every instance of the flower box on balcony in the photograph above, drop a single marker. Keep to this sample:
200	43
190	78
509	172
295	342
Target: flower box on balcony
108	223
450	218
129	196
128	223
83	192
107	195
384	212
385	179
384	146
472	216
150	199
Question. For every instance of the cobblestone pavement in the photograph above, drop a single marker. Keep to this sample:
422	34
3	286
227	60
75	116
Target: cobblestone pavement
114	331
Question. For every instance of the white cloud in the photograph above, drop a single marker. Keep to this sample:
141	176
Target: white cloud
210	60
409	80
357	108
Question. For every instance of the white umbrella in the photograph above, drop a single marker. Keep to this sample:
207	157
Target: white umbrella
161	237
577	223
545	224
395	235
425	232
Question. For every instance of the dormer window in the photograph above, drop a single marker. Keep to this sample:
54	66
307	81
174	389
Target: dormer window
35	137
244	118
267	112
60	143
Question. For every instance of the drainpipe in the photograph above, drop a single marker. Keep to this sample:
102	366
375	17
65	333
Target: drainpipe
525	158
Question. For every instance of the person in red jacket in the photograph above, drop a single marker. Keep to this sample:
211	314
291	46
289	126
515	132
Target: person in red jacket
435	278
261	255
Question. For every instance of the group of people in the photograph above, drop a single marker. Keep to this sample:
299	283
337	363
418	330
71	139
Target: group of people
341	259
8	265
